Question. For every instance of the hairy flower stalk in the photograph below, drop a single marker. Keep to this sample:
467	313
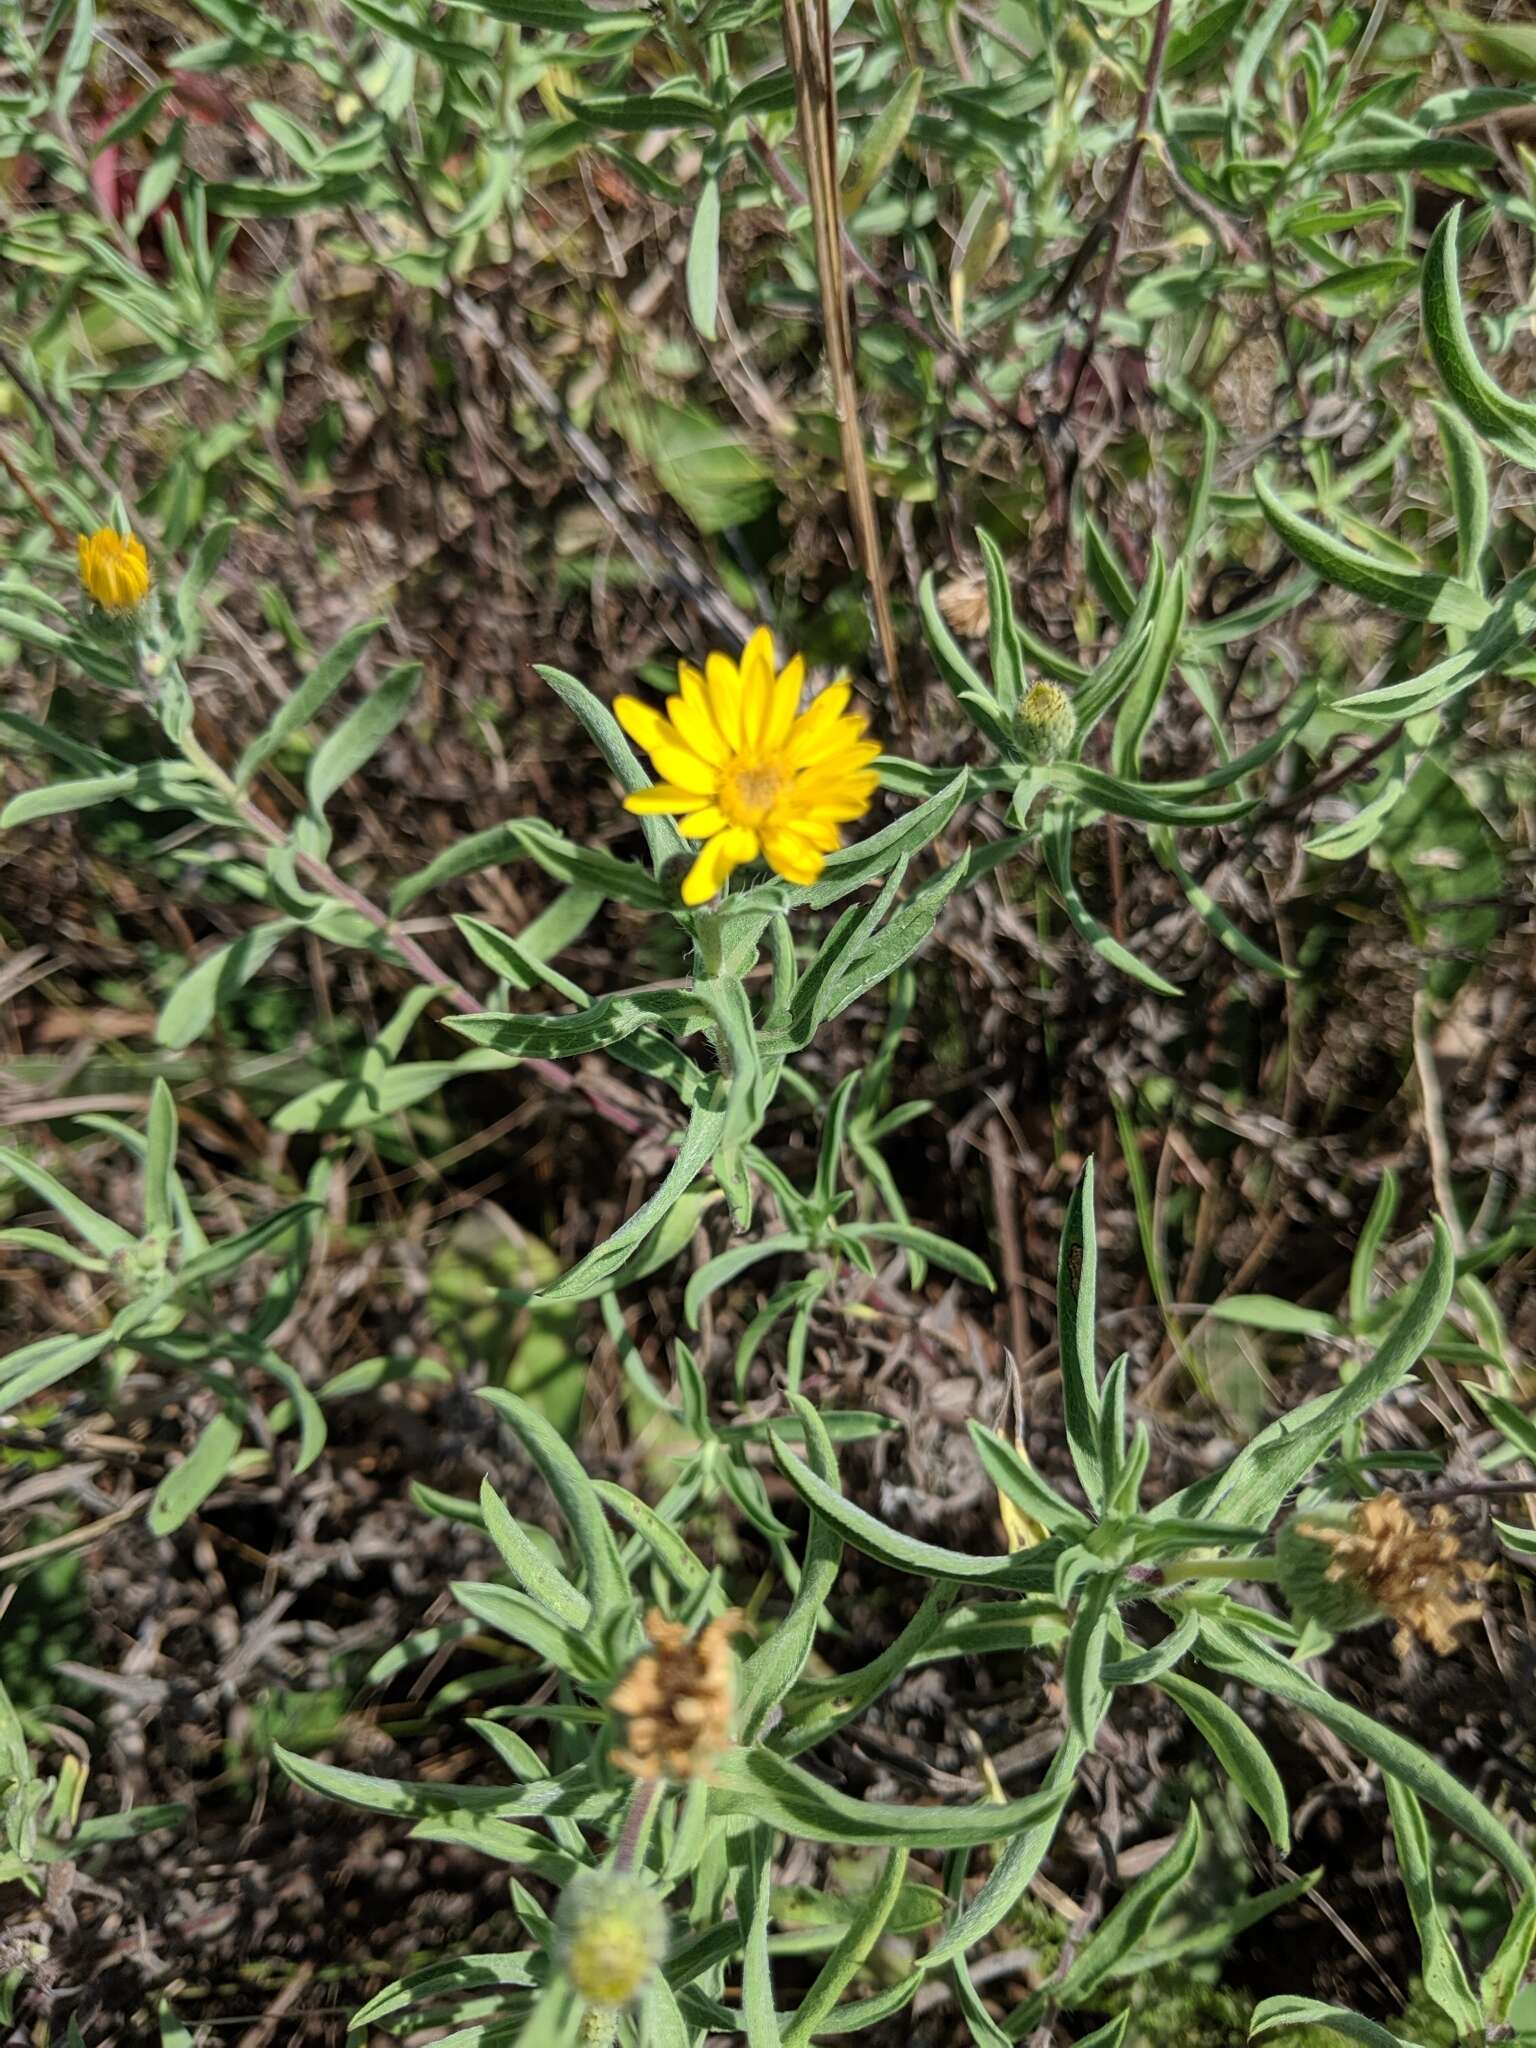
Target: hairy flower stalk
745	770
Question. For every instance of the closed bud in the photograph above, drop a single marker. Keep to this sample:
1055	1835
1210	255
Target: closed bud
1076	50
1047	723
611	1933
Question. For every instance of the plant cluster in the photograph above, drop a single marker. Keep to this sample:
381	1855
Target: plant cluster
1244	642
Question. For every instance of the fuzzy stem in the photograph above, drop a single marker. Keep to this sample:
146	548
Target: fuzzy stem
637	1825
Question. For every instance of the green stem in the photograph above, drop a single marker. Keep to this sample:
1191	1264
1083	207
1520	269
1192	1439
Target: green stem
1252	1568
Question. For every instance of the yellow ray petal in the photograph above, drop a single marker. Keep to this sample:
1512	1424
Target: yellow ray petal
756	686
697	730
663	799
706	823
790	854
708	875
679	764
642	721
723	683
784	702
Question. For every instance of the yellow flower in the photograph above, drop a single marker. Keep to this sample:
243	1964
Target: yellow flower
747	771
114	569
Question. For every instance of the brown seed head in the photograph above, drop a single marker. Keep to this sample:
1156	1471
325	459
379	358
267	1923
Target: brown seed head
965	606
1410	1570
677	1699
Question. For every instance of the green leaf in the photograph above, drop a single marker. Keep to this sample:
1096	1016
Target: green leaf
358	738
1130	1922
1269	1312
702	272
1241	1754
1240	1656
54	798
1508	423
1312	2012
186	1486
310	698
1077	1268
1015	1870
100	1232
438	1980
1506	1973
606	734
767	1788
1444	1977
592	1275
773	1668
160	1161
1083	1668
1030	1571
1415	593
870	859
880	142
606	1022
607	1582
1011	1474
863	1931
76	60
530	1565
1471	506
1257	1481
533	839
40	1365
1056	843
202	993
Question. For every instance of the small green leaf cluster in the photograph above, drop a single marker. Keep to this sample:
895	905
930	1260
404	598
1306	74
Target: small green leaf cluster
1128	1595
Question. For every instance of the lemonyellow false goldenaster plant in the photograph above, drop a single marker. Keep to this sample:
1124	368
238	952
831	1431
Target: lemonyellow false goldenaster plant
114	569
743	768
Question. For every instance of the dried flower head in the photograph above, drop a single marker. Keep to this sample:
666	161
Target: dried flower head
965	605
1347	1568
677	1699
114	569
747	771
610	1934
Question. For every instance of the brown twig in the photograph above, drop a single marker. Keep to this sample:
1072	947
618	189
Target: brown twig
808	45
415	956
1114	218
54	524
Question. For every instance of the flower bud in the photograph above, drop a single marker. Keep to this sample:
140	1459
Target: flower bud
1076	50
611	1932
1047	723
114	570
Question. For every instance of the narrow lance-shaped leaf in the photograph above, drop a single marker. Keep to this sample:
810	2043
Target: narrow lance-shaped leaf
1508	423
1445	1979
1414	593
358	738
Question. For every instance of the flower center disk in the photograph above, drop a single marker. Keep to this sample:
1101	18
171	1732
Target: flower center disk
748	791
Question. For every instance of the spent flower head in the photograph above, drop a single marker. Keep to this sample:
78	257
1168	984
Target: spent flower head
114	569
678	1699
1344	1568
966	606
745	770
